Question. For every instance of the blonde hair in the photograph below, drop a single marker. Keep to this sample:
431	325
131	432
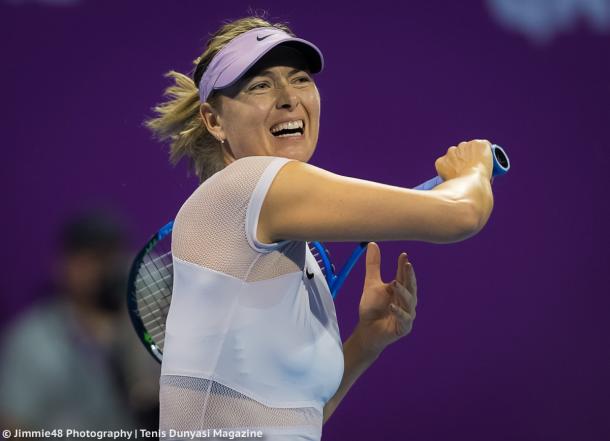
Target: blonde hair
178	118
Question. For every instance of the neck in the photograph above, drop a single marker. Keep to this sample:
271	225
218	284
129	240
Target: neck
227	155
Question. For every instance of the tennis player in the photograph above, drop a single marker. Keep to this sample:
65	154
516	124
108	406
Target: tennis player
252	342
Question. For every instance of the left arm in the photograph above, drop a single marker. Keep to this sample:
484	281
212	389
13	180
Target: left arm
387	311
357	359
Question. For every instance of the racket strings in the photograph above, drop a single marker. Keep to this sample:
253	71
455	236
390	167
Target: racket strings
316	254
153	293
155	327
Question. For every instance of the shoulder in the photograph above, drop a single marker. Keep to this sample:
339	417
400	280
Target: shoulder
254	165
240	185
242	176
44	321
39	320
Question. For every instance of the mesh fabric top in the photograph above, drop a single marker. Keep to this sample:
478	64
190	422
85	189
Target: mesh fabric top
251	342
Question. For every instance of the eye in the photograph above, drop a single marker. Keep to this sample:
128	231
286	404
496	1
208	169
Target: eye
303	79
259	86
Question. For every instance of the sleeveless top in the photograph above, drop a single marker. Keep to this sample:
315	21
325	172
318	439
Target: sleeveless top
251	341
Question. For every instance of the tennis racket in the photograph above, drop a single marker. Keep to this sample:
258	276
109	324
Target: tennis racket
151	277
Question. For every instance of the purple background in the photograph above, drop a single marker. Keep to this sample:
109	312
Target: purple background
511	339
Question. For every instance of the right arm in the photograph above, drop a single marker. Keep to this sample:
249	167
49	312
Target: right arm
305	202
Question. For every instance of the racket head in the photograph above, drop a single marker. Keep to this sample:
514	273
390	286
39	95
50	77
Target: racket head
149	290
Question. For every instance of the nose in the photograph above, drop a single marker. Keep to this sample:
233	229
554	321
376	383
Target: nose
287	98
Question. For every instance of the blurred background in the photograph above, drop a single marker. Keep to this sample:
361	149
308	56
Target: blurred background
511	339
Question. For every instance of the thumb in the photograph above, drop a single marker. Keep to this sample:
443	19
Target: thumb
373	261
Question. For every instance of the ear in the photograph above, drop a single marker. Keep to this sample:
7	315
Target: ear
211	121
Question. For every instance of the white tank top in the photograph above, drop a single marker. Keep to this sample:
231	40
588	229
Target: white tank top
251	342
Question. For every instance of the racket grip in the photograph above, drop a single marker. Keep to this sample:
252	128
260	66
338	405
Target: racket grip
501	165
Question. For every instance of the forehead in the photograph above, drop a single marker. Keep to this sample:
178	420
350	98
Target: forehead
280	59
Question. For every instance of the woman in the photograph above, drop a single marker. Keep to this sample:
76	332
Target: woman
252	340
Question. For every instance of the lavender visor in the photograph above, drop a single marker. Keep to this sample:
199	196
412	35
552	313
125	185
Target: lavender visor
240	54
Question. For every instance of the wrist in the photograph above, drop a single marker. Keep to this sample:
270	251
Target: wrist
478	196
477	171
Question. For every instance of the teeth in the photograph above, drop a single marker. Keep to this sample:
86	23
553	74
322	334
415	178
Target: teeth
288	134
298	124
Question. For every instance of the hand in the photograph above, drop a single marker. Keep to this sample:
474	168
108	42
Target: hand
464	158
387	310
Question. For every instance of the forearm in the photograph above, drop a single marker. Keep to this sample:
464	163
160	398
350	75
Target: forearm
357	359
359	210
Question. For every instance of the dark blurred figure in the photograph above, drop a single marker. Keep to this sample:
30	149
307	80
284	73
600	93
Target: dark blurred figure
72	360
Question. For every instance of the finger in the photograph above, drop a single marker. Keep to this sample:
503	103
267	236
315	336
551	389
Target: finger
400	296
404	320
373	261
405	297
401	313
401	274
410	279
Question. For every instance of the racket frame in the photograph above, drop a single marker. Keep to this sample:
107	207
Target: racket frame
132	302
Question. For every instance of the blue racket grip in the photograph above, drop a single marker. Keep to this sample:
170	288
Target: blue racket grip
501	165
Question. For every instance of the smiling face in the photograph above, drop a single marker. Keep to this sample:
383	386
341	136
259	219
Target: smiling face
274	110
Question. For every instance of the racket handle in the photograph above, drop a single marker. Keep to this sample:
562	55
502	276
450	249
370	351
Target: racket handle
501	165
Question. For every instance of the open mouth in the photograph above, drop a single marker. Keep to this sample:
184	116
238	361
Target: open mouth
288	129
